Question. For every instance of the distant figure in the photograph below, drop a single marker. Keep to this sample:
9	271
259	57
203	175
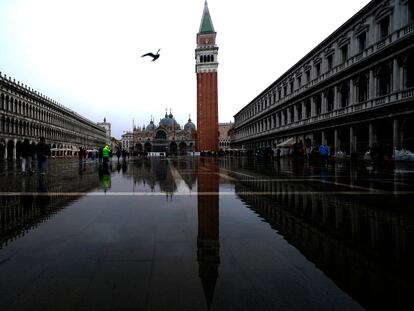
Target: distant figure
124	154
278	151
80	154
154	56
323	153
27	154
118	154
43	152
105	154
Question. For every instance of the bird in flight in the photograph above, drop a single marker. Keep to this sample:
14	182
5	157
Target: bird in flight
154	56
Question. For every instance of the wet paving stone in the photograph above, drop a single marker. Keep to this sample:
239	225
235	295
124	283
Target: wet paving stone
206	234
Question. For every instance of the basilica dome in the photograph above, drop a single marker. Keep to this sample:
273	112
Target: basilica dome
169	122
150	127
189	126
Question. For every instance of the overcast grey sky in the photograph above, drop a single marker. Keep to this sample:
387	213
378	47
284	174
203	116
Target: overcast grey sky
86	53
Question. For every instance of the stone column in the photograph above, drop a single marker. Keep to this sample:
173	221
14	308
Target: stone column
351	99
14	149
336	98
371	134
395	75
336	140
371	85
295	113
313	107
352	140
288	117
396	134
323	102
5	149
323	137
303	110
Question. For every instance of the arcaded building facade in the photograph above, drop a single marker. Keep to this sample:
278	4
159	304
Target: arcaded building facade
26	113
354	89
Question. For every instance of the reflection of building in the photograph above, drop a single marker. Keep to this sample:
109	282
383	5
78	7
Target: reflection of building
224	136
207	94
208	247
41	199
167	136
362	244
354	89
107	127
26	113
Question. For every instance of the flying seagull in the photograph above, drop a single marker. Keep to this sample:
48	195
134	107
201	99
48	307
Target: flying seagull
154	56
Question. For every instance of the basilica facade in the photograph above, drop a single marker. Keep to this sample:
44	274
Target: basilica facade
166	136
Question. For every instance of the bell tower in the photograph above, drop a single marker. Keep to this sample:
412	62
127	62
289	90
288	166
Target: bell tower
207	94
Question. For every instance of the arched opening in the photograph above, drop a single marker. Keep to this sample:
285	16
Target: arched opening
384	80
344	140
330	141
2	149
344	90
147	147
161	135
330	98
18	149
409	71
408	134
384	137
173	148
138	147
317	139
410	7
362	88
10	147
318	104
183	148
362	139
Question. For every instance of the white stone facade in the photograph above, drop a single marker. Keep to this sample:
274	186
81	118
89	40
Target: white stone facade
354	89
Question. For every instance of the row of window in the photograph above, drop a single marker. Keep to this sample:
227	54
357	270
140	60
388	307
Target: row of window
12	105
206	58
379	30
333	98
23	128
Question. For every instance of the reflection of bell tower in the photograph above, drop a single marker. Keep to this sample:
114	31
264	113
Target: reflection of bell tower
207	94
208	247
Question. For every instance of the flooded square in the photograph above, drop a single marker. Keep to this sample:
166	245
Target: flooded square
190	233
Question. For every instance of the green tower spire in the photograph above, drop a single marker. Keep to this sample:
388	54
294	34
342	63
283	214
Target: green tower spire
206	25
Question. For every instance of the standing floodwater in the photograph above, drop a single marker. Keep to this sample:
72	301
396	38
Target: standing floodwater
206	234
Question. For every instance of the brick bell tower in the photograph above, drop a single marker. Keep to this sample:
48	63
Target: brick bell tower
207	98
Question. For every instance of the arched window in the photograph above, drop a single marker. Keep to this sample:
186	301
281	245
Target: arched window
362	88
330	98
318	104
409	71
384	80
410	7
344	95
161	135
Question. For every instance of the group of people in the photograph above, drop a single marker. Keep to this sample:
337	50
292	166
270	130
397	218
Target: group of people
30	152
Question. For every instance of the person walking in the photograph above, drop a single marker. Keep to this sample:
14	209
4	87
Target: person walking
27	153
105	155
323	153
43	152
118	154
80	154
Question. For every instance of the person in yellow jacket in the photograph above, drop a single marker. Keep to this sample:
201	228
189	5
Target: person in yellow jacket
105	154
